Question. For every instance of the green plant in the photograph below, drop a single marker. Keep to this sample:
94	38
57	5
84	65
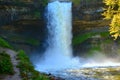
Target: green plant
6	66
44	2
4	43
93	50
34	42
76	2
104	34
81	38
26	68
37	14
28	40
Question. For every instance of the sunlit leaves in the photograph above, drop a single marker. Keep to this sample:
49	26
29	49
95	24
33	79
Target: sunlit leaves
113	12
110	2
115	26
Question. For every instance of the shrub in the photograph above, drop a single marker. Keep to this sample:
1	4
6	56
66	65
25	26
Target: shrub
6	66
4	43
26	68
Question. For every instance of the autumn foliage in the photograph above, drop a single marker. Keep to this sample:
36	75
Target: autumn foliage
112	11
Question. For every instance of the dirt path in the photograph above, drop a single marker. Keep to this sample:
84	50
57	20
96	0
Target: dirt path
12	54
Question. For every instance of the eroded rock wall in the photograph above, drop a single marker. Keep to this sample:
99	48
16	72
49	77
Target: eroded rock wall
88	10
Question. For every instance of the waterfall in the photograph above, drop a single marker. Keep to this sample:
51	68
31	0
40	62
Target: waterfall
59	52
58	59
59	27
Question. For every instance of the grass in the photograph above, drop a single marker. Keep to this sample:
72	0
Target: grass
28	40
6	66
4	43
107	36
34	42
104	34
27	70
81	38
91	52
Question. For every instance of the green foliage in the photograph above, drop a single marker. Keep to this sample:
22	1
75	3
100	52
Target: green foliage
81	38
108	41
27	70
34	42
28	40
44	2
104	34
93	50
4	43
76	2
22	56
6	66
37	14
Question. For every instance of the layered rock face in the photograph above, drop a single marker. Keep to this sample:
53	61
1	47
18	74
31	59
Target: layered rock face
87	15
88	10
21	23
13	10
21	20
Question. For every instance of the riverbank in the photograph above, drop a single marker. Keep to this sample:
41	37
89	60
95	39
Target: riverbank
21	67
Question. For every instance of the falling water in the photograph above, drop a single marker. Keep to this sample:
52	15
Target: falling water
59	53
58	58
